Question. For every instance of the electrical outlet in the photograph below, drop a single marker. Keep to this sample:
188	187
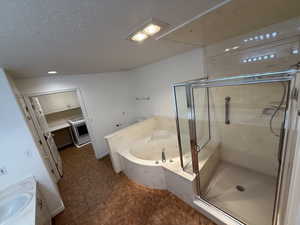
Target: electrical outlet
3	171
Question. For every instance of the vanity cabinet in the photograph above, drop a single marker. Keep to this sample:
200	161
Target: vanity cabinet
43	216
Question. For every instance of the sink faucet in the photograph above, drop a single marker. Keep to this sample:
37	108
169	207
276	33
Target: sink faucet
163	155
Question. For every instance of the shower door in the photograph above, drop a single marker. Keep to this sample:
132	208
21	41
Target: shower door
236	131
183	112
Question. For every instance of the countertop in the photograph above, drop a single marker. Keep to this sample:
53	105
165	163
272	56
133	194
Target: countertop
28	215
55	127
59	120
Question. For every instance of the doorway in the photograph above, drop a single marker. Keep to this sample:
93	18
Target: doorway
60	121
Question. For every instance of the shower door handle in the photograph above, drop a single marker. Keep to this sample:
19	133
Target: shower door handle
281	141
227	102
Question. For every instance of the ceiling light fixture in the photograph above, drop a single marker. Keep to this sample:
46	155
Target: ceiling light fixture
231	49
152	29
139	37
52	72
259	58
149	29
262	37
295	51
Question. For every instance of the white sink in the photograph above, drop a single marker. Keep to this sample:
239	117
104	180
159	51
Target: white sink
12	205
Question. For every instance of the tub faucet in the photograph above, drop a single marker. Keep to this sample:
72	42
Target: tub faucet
163	155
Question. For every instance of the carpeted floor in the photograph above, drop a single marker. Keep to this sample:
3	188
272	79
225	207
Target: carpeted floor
94	195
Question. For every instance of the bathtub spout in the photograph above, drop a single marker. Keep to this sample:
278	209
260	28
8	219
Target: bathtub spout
163	155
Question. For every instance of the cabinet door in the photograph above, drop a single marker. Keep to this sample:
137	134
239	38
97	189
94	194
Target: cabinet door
50	164
43	126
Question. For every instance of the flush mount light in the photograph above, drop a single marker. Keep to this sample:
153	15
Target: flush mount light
52	72
151	28
139	37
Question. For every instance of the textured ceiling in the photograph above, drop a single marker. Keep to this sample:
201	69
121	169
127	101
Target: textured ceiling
86	36
236	18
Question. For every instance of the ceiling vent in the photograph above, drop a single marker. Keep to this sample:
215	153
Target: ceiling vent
149	29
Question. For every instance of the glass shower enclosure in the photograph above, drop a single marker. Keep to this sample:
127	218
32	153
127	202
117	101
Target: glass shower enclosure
231	134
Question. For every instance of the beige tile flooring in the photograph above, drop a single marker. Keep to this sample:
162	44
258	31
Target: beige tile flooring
94	195
254	205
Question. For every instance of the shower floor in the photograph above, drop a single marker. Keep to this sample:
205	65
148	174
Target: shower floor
245	194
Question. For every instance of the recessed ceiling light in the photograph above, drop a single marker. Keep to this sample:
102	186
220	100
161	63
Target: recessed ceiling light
139	37
151	29
295	51
274	34
52	72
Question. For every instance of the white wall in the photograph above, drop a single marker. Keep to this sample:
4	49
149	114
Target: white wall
155	80
106	97
19	154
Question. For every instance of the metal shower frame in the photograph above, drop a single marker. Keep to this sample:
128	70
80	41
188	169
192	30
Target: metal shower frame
246	79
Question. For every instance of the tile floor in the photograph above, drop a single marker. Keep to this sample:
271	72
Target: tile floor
253	205
94	195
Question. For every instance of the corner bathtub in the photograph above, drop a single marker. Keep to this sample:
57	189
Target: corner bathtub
137	152
142	161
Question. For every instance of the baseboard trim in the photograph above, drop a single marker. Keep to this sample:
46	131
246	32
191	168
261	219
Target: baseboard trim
102	155
58	210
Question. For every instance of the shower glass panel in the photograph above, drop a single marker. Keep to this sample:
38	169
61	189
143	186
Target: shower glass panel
183	112
202	116
238	166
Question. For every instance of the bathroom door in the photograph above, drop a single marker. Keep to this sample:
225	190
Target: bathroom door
43	125
50	164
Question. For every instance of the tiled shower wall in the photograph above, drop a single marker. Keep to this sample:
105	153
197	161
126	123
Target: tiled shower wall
247	141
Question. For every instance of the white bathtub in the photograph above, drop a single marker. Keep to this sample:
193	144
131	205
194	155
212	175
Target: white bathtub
142	161
137	151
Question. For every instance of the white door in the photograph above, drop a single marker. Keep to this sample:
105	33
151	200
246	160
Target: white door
43	147
47	134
